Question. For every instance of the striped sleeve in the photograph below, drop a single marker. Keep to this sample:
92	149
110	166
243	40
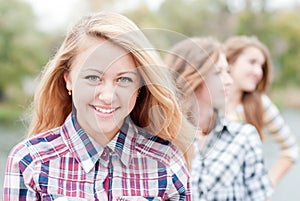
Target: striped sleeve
279	130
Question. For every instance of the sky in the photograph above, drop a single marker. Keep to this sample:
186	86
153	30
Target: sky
56	14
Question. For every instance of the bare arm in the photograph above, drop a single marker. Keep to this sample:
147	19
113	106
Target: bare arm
279	169
282	134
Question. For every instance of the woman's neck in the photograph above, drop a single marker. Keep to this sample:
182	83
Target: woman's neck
234	99
207	122
207	119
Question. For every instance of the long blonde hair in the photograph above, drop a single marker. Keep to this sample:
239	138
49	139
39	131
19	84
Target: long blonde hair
157	107
251	101
190	60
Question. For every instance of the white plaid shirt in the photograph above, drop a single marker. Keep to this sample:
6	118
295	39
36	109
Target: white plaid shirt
231	166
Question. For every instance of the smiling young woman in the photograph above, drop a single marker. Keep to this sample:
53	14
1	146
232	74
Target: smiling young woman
106	122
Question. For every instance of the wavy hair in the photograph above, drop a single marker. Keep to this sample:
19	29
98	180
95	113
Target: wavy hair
190	60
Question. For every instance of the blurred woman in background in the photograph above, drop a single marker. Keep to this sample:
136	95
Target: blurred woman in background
251	70
228	162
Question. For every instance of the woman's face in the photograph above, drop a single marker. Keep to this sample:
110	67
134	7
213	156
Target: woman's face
104	81
215	87
247	70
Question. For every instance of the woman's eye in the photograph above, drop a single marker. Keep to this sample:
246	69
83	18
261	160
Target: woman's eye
93	78
218	72
252	61
125	80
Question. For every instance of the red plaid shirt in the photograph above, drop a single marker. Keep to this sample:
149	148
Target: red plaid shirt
66	164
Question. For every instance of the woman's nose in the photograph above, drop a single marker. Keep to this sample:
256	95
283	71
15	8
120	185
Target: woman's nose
106	93
227	79
258	70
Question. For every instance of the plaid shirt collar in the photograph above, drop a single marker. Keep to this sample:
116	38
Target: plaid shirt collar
87	151
222	123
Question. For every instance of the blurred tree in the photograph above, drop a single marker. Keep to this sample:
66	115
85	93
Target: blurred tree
150	24
21	46
142	15
198	18
97	5
286	25
279	30
195	17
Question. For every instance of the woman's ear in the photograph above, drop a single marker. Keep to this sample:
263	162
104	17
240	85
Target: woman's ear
68	80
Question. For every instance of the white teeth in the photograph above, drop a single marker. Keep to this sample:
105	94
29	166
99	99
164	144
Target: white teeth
107	111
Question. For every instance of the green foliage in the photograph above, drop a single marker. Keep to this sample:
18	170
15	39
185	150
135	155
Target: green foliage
22	51
193	18
138	15
287	26
9	114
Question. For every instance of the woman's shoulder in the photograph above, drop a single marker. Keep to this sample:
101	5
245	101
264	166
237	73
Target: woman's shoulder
243	131
270	109
39	147
266	101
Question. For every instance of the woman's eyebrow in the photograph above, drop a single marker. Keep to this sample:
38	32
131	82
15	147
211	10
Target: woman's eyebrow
103	72
93	69
126	72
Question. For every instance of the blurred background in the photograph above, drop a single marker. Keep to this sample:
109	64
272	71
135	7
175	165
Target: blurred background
32	30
